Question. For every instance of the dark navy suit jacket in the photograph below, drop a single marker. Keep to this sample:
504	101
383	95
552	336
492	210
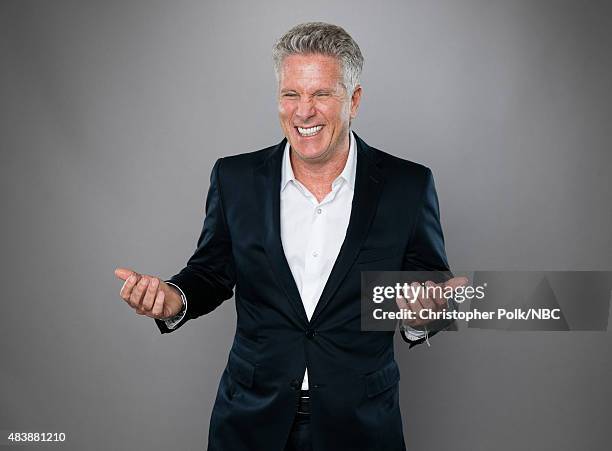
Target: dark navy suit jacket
353	376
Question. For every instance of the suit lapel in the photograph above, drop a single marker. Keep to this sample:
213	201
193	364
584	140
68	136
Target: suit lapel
368	186
268	181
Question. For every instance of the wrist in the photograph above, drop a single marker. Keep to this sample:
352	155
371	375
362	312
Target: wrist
176	301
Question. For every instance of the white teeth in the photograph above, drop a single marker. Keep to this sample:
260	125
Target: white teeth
309	131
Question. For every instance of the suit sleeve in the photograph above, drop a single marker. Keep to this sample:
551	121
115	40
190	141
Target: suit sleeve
426	252
209	276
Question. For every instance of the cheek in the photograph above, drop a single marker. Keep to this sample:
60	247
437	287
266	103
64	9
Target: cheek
284	110
334	112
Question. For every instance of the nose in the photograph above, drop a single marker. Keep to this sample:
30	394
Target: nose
305	109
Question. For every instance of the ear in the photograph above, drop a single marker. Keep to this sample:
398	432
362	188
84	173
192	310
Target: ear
355	99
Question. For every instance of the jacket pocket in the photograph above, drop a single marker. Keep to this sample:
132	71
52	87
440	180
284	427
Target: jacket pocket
240	369
382	379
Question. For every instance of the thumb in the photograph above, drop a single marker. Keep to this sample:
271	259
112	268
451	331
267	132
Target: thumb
456	282
124	273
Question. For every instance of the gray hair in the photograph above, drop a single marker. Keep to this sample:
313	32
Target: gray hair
326	39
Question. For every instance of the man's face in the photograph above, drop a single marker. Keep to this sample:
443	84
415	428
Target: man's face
314	108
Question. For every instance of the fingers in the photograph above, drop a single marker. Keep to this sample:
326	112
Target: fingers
145	294
128	286
412	303
456	282
416	301
158	306
138	294
426	296
401	302
123	273
429	297
436	295
150	294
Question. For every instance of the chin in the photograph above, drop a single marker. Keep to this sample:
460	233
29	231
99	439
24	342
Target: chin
310	152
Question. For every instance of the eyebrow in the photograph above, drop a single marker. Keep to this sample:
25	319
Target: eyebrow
318	91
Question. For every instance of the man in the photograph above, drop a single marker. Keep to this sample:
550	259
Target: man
291	227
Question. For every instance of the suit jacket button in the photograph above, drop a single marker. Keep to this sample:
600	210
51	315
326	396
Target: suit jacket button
295	384
310	333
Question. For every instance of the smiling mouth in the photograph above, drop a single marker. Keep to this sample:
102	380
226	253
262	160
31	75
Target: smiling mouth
307	132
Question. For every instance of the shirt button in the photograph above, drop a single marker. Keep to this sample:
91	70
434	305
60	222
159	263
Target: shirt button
315	254
319	211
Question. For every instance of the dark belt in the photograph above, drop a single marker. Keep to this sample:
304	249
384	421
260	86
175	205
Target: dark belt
303	406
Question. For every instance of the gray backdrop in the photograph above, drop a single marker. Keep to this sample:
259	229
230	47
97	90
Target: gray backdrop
112	114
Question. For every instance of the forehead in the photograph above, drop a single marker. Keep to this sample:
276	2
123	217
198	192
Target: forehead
310	69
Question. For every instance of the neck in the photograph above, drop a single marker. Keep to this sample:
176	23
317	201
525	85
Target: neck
317	176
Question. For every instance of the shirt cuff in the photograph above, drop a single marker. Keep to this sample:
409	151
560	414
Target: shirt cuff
413	334
174	320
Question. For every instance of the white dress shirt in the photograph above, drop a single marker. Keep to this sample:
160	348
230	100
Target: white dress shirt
312	233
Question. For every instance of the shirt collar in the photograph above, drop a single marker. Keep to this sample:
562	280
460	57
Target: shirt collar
347	174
